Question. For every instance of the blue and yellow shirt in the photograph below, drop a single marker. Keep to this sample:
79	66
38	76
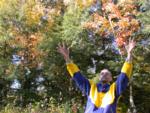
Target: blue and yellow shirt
101	98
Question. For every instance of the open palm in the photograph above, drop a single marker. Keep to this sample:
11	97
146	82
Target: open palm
130	46
64	51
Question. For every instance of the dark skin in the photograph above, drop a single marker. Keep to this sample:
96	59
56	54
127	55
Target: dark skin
105	75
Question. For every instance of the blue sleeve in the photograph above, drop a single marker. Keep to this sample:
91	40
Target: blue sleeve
123	78
82	83
121	84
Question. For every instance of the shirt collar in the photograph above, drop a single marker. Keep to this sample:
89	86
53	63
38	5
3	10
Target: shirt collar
103	87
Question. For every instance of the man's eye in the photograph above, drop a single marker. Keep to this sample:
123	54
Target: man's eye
102	73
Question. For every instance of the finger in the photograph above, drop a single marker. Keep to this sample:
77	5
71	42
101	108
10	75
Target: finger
59	45
130	40
57	48
68	48
126	46
125	43
63	44
134	42
133	39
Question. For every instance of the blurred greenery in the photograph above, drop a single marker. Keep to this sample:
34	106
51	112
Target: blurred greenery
39	83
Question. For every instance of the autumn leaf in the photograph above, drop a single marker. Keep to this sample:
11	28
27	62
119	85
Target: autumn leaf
114	19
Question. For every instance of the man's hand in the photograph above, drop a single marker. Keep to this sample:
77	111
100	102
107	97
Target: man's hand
129	49
130	46
64	51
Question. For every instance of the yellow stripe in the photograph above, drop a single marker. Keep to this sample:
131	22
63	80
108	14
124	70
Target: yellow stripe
72	68
109	96
100	99
95	96
127	69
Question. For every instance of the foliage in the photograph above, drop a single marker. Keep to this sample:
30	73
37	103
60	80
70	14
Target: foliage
115	19
33	76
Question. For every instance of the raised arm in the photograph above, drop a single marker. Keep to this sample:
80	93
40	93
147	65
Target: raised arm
123	78
81	81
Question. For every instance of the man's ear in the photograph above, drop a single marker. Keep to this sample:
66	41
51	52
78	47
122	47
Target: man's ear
110	78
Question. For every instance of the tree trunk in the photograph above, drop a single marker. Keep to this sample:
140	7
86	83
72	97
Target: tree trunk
132	108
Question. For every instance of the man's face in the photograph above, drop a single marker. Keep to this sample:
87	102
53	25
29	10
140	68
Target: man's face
105	76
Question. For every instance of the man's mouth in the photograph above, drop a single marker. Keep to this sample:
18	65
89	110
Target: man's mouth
103	78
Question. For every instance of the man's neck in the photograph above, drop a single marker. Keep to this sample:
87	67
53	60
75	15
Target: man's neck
104	82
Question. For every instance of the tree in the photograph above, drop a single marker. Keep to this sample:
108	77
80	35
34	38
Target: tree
29	34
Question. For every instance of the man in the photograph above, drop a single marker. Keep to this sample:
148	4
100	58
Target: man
103	96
